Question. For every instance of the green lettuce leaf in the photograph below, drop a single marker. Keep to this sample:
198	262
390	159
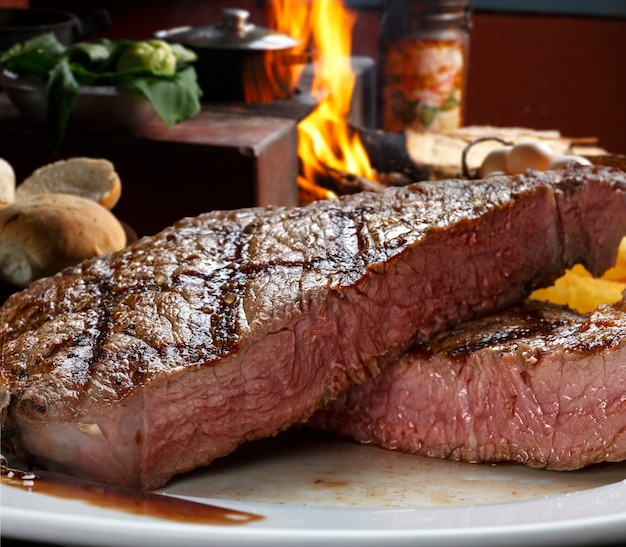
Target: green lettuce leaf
45	43
174	100
62	92
63	70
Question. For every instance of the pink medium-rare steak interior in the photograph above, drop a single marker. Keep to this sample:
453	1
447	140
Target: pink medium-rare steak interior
231	326
536	384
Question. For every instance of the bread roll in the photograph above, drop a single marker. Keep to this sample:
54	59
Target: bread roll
7	183
91	178
41	234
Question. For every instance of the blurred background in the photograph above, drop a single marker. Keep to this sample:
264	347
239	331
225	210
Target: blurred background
543	64
536	64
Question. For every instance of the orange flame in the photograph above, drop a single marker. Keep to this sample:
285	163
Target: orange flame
324	136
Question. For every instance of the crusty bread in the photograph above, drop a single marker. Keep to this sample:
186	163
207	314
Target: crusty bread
91	178
41	234
7	183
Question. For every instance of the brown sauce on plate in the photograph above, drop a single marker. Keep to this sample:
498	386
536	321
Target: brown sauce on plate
127	500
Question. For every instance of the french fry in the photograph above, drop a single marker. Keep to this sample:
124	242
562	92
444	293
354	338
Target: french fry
581	292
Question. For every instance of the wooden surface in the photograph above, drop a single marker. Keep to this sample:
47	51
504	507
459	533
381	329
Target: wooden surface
217	160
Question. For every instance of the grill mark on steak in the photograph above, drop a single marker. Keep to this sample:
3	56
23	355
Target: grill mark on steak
237	324
461	342
537	384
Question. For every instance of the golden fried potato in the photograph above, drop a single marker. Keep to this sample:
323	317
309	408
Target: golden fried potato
581	292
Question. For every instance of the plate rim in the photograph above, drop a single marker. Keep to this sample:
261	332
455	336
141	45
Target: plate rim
604	517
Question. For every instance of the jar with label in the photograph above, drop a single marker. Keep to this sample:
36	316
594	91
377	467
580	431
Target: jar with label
422	66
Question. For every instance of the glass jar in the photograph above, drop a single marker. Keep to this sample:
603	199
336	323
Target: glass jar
422	67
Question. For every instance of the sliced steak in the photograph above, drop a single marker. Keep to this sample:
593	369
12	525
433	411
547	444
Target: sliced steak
149	362
537	384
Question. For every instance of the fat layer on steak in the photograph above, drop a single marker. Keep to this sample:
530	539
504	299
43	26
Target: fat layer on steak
231	326
536	384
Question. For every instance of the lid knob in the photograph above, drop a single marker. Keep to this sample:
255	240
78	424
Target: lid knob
235	21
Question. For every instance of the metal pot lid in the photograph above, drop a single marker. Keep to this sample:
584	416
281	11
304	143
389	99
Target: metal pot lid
233	32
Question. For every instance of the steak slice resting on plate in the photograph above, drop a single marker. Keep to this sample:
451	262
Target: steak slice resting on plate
536	384
231	326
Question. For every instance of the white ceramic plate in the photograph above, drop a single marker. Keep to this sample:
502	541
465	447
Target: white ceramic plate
309	489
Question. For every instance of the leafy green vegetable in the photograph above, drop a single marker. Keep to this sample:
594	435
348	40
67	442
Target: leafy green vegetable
172	102
183	55
155	55
63	91
32	65
95	55
47	43
161	72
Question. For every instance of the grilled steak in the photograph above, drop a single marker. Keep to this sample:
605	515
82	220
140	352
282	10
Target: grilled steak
537	384
149	362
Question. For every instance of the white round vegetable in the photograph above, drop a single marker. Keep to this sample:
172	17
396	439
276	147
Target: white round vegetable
564	159
495	174
7	183
527	154
495	161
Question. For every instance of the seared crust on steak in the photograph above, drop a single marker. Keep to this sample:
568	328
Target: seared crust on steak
149	362
536	384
